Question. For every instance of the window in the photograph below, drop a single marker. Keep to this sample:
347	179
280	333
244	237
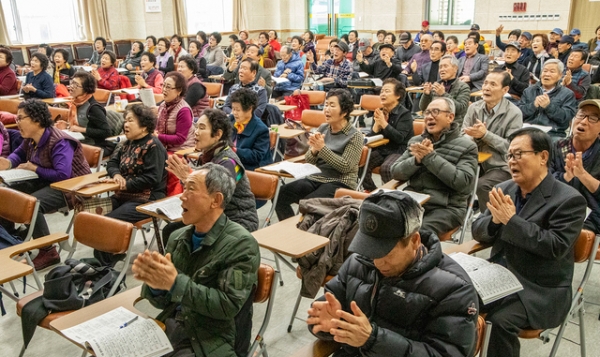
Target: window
39	21
451	12
209	15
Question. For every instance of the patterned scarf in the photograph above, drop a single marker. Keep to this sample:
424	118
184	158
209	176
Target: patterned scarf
208	155
57	73
240	126
163	115
77	102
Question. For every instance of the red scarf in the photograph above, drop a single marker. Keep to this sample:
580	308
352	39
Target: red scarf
77	102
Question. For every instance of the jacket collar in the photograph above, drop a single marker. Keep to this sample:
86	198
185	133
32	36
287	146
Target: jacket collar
538	196
447	135
250	127
211	237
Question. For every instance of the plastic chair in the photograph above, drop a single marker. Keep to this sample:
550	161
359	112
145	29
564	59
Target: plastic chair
265	292
93	156
418	127
315	97
115	237
213	89
312	118
363	163
370	102
265	187
102	95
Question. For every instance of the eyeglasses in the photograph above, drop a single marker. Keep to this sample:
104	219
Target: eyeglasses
434	112
518	154
18	119
591	119
167	87
74	85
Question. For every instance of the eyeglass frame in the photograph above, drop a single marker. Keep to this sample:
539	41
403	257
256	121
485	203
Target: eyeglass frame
589	118
518	155
427	112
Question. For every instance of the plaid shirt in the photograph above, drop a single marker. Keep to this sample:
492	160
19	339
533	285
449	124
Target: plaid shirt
340	73
580	82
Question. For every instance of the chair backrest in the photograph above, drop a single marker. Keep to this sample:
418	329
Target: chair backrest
114	237
93	155
17	207
84	51
268	63
9	105
213	89
123	48
266	274
315	97
312	118
418	127
102	95
583	245
263	186
265	291
59	113
19	85
363	157
272	139
341	192
370	102
484	330
587	67
18	58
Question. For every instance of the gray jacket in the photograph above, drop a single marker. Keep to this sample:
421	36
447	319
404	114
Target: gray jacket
446	174
336	219
262	73
478	72
506	120
557	114
459	92
215	57
404	55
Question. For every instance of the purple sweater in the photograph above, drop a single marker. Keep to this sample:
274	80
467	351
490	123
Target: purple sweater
184	122
421	58
62	159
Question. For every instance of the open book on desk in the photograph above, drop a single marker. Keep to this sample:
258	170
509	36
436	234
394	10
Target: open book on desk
16	175
120	333
279	80
170	207
295	169
544	128
492	281
74	134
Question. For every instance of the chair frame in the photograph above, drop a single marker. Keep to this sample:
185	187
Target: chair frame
259	346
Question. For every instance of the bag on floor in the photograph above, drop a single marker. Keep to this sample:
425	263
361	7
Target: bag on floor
76	284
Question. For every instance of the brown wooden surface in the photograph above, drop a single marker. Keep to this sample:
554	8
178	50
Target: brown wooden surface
285	238
74	185
285	108
11	269
274	173
142	209
286	133
483	156
58	100
378	143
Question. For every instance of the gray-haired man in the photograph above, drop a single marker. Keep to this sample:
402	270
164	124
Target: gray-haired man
204	281
379	304
441	162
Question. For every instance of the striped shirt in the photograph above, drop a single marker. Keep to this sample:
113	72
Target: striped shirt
341	72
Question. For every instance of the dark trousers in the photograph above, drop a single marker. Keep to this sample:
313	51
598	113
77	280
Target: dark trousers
485	184
302	189
176	333
124	211
385	168
49	199
508	318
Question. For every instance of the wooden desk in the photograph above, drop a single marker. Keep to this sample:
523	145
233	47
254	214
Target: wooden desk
284	238
155	217
125	299
286	133
190	152
414	89
75	184
274	173
378	143
477	94
285	108
57	100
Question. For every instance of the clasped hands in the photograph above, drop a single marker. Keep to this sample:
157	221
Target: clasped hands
328	316
574	166
420	150
436	87
501	206
316	142
154	269
380	120
476	131
542	101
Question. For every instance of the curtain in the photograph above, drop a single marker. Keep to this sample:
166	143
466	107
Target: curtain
93	16
240	19
4	38
179	17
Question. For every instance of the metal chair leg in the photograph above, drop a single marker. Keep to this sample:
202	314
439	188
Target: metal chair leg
278	269
294	312
22	351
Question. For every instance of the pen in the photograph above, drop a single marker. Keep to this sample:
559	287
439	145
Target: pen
129	322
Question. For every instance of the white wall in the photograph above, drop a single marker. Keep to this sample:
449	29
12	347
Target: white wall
129	20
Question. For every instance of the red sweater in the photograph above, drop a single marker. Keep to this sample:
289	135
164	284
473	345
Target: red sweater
276	45
8	81
109	78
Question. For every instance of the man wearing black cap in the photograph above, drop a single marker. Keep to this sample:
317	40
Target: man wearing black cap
407	48
519	75
337	70
564	49
399	295
384	67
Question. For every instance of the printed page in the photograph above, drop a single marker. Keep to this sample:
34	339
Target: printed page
280	80
295	169
15	175
147	97
468	262
142	338
494	282
378	82
99	326
544	128
75	135
370	139
170	207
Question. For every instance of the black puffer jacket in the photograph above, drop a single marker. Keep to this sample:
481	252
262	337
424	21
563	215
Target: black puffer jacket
431	310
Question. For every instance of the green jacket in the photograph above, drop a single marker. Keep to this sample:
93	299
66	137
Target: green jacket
213	284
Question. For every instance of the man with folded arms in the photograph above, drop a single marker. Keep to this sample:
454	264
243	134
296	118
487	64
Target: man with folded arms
473	67
490	122
440	163
576	159
532	223
203	284
399	295
448	86
519	74
547	102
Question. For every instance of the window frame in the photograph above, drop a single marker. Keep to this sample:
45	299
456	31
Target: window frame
450	16
18	29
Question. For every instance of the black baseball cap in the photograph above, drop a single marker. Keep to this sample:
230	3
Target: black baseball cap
342	46
566	39
383	220
387	45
